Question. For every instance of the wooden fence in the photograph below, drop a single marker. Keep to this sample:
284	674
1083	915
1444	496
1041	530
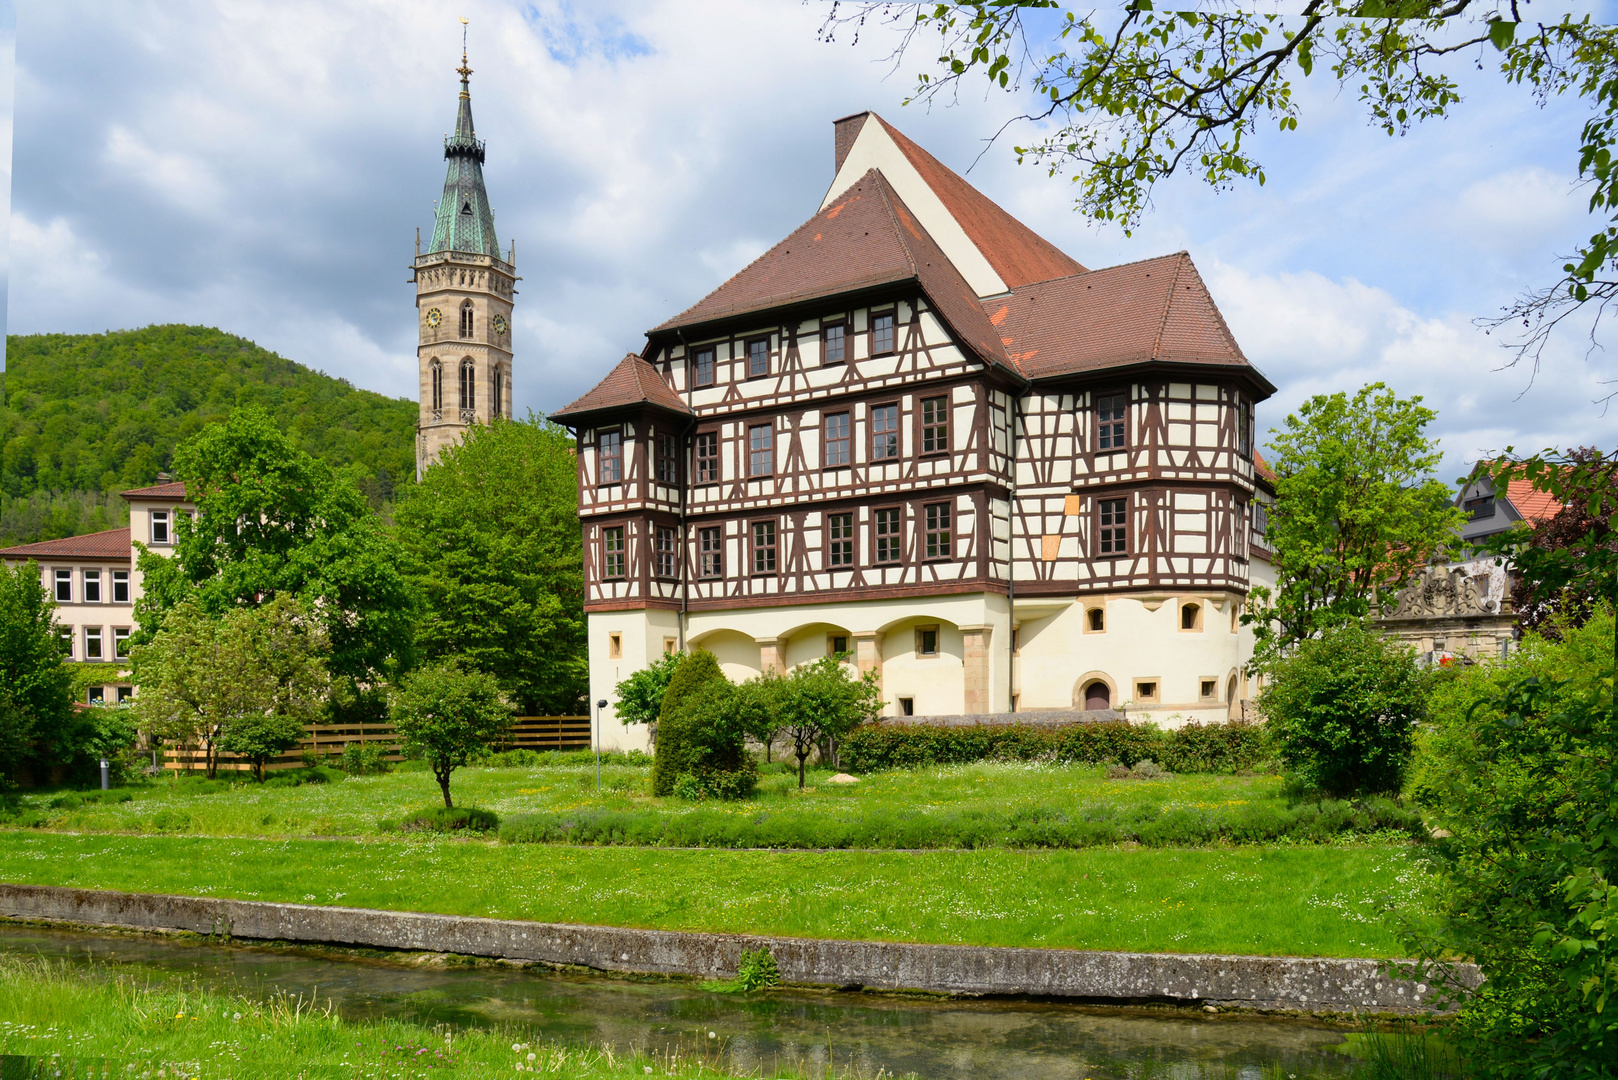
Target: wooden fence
327	742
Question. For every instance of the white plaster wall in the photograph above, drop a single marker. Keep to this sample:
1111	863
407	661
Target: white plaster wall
1138	643
644	632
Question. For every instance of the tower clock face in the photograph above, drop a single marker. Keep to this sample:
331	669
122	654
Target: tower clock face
499	324
434	317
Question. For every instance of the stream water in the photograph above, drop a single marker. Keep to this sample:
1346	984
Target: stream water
859	1033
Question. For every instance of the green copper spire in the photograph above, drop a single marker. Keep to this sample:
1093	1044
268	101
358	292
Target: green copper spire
465	221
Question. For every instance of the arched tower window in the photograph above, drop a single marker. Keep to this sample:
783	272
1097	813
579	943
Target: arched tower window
466	318
498	401
435	375
469	395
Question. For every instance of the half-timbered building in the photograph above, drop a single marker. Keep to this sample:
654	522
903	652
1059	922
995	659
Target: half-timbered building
917	433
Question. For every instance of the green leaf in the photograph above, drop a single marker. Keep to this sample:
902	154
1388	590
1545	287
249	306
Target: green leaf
1501	33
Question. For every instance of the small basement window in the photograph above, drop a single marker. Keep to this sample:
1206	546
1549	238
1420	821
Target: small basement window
1146	691
836	644
1210	690
907	706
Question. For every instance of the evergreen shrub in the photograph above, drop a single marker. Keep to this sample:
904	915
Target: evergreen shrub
1192	748
678	726
708	749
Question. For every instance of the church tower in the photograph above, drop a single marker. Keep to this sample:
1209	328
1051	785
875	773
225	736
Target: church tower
464	291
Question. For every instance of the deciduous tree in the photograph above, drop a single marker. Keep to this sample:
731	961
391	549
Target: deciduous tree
444	715
493	534
1357	511
271	521
35	685
246	682
640	697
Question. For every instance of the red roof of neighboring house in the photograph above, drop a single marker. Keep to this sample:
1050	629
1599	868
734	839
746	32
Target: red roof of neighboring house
112	545
1018	254
1262	467
868	237
1158	310
1532	504
168	490
632	382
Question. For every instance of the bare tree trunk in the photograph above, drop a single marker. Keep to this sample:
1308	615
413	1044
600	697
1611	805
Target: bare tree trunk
803	756
443	785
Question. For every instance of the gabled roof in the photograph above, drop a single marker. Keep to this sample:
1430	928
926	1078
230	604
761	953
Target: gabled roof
174	489
1018	254
1156	311
632	382
112	544
867	238
1531	504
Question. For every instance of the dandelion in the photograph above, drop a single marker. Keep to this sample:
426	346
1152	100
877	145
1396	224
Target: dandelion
648	1070
532	1055
713	1035
237	1016
516	1048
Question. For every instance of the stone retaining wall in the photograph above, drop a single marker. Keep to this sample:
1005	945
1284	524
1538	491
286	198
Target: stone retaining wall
1248	982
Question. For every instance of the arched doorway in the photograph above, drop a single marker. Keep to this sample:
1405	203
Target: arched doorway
1097	695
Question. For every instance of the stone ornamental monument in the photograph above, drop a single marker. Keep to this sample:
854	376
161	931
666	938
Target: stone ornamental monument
1459	611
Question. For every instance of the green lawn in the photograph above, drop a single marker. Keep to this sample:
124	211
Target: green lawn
961	806
1303	900
128	1028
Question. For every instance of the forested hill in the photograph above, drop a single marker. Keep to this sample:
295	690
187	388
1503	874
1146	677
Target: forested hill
84	416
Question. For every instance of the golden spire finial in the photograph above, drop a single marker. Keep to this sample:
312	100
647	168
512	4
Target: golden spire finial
465	72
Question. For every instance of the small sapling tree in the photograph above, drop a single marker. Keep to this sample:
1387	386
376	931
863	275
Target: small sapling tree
822	701
35	685
640	697
443	715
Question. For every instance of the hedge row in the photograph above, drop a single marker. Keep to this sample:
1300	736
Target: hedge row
1192	748
1029	827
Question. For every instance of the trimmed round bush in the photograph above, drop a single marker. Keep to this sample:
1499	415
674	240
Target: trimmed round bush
1342	708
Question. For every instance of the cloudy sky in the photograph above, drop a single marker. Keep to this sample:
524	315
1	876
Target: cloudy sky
262	167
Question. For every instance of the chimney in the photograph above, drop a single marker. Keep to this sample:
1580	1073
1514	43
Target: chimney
847	130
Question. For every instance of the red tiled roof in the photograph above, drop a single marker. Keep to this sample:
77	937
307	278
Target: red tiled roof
169	490
867	238
1158	310
632	382
1532	504
1018	254
1262	467
112	544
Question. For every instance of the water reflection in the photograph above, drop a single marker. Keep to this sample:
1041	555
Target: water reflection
862	1033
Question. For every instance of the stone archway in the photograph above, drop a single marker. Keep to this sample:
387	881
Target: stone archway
1094	690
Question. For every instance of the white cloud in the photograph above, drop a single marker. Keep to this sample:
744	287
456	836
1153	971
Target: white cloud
260	166
1312	335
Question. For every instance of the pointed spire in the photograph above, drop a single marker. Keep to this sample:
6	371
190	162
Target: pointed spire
465	220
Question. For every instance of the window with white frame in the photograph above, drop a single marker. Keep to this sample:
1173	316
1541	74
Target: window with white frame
92	643
120	586
160	526
120	642
64	586
92	586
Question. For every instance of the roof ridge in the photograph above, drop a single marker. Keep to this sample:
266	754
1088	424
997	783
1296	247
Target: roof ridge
766	253
1168	303
889	196
1224	326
